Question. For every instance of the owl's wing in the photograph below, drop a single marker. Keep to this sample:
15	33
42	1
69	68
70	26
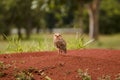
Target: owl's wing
61	44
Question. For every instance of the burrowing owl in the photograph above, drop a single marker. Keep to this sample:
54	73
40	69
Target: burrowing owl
60	43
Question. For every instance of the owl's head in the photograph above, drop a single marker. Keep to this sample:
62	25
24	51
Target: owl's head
57	36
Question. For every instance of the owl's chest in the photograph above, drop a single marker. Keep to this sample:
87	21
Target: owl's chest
59	43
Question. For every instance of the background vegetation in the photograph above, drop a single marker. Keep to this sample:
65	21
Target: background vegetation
44	42
49	14
42	14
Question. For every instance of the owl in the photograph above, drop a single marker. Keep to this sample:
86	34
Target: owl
59	43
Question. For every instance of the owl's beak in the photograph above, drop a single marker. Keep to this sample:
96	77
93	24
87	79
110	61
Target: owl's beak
57	36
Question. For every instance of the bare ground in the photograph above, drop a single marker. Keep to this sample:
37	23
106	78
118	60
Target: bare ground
44	65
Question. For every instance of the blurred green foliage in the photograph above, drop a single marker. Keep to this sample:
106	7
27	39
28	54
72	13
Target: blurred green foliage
44	42
30	14
110	16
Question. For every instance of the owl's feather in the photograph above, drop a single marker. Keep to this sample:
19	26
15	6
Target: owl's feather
60	43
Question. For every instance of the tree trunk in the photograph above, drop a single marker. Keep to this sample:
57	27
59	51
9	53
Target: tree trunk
19	33
93	12
28	29
28	32
81	17
37	29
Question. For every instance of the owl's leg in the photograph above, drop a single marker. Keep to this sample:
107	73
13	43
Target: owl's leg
65	51
59	51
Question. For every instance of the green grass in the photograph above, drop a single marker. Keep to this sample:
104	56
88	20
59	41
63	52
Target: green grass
108	41
44	42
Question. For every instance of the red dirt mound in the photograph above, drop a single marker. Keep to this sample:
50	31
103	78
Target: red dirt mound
44	65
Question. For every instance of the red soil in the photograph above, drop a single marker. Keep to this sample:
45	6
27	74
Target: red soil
64	67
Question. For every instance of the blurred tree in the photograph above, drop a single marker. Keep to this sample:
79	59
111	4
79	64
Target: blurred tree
5	19
29	18
37	14
110	16
81	9
50	8
93	12
23	16
65	11
50	21
19	13
29	14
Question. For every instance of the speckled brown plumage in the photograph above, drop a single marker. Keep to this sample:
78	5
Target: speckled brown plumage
60	43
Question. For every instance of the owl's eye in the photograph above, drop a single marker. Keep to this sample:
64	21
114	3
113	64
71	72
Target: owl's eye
56	35
59	35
